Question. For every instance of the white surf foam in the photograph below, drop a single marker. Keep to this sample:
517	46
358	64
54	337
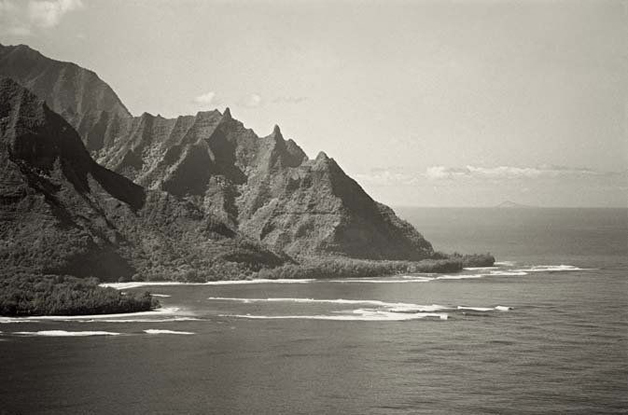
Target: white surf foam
305	300
64	333
508	273
359	315
129	285
9	320
159	331
94	317
505	263
552	268
460	277
140	320
391	280
161	295
476	308
398	307
478	268
503	308
413	308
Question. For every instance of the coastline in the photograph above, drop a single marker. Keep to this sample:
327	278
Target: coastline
162	311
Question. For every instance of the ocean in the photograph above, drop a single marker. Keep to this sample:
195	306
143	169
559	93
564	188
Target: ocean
544	331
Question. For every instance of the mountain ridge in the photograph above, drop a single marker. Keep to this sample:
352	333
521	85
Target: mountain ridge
200	194
88	103
64	213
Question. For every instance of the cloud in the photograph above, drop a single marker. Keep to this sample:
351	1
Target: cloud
13	19
506	172
20	18
288	100
442	172
206	99
7	7
48	13
252	101
398	176
383	176
211	99
18	30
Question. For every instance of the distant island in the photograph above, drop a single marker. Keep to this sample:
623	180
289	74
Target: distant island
512	205
89	190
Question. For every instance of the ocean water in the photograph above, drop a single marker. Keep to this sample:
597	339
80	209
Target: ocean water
545	331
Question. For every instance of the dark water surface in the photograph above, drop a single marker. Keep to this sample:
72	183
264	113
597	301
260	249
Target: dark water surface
546	331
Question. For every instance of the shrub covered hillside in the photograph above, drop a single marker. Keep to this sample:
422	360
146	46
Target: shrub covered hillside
41	295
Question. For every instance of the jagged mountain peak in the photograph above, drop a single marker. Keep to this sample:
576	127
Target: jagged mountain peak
322	156
264	187
64	213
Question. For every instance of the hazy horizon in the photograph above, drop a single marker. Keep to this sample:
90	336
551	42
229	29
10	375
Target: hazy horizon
426	104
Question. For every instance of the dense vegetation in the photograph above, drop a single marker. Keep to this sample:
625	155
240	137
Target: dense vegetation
324	267
38	295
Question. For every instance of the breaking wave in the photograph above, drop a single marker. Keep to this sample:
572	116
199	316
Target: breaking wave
478	268
393	307
390	280
140	320
508	273
381	311
129	285
460	277
476	308
501	268
306	300
165	311
357	315
551	268
496	308
64	333
161	295
8	320
159	331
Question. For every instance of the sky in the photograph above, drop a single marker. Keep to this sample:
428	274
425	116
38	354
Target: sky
424	102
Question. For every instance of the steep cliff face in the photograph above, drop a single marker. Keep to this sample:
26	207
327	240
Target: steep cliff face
77	94
62	212
50	193
264	188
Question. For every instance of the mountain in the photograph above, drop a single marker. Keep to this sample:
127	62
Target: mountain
77	94
63	213
89	190
266	187
263	187
48	205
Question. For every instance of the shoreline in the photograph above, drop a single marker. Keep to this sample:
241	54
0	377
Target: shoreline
162	311
138	284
